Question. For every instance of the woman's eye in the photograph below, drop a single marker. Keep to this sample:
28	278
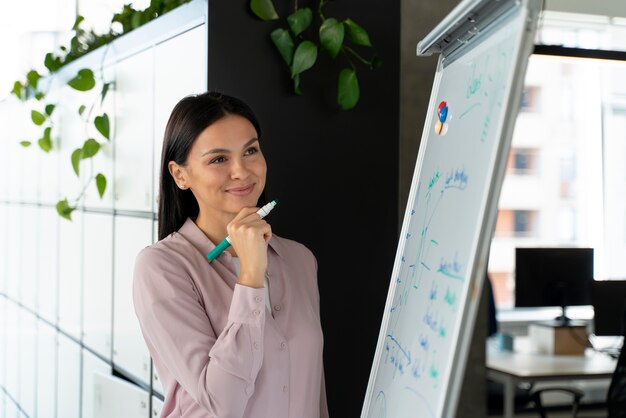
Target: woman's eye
251	150
217	160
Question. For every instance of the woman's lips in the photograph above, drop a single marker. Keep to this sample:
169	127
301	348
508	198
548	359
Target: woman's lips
241	191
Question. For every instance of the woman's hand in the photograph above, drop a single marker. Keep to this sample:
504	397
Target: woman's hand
249	235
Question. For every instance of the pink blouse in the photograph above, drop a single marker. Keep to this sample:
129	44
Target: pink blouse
219	351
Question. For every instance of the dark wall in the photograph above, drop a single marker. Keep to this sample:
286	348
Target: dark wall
334	172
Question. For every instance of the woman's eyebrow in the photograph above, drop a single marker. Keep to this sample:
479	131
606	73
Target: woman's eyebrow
226	151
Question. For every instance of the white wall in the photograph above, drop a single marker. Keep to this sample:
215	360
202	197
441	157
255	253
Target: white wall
66	316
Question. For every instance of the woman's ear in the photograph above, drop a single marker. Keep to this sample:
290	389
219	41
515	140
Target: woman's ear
178	174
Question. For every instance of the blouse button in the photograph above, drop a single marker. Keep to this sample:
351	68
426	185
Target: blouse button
256	345
258	299
283	345
256	313
285	389
277	308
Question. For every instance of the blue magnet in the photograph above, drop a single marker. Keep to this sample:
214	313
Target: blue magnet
443	113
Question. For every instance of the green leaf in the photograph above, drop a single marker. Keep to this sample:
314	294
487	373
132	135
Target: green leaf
376	62
263	9
75	48
81	109
64	209
25	144
39	95
33	78
105	90
45	142
90	148
102	125
101	183
356	33
283	42
296	85
83	81
304	57
300	20
50	109
37	117
331	36
347	89
77	155
136	19
51	62
17	89
77	22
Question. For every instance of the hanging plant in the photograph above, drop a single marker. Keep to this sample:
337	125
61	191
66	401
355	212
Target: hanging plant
82	43
333	37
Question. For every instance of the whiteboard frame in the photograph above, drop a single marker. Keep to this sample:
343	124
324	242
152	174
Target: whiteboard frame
466	21
457	22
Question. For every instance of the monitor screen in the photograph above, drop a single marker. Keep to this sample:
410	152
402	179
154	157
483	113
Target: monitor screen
553	276
609	305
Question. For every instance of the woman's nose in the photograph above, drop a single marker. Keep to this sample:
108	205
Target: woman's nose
239	169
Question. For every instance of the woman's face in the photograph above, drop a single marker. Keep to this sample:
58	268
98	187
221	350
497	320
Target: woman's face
225	167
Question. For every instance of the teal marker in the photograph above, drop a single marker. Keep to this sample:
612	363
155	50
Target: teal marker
215	252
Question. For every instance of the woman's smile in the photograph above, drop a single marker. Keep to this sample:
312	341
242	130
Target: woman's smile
241	191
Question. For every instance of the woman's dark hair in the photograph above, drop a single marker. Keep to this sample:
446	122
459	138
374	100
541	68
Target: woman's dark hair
190	117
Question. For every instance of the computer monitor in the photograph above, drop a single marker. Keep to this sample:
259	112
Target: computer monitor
553	277
609	305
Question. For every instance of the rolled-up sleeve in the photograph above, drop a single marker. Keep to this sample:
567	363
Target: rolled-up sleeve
218	371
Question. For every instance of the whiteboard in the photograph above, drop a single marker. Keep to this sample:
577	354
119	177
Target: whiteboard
449	220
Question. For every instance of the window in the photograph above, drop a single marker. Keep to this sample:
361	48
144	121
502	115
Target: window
530	99
516	223
573	116
523	224
523	161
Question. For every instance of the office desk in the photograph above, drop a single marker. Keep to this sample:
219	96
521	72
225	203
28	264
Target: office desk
522	365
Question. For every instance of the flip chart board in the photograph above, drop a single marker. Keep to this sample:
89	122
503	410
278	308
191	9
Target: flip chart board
449	220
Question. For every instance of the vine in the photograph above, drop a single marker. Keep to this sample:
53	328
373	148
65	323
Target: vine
82	43
300	54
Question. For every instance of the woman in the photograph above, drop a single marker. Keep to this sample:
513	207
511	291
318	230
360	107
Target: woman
240	336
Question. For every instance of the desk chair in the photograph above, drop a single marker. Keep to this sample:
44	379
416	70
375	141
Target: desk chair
576	397
616	396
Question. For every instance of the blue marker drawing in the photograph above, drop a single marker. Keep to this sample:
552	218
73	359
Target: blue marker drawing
397	356
456	179
431	320
379	410
425	407
432	295
451	268
424	342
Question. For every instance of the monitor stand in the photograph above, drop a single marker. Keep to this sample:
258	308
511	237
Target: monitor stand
563	321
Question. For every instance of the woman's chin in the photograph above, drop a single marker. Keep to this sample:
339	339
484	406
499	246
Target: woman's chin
246	201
